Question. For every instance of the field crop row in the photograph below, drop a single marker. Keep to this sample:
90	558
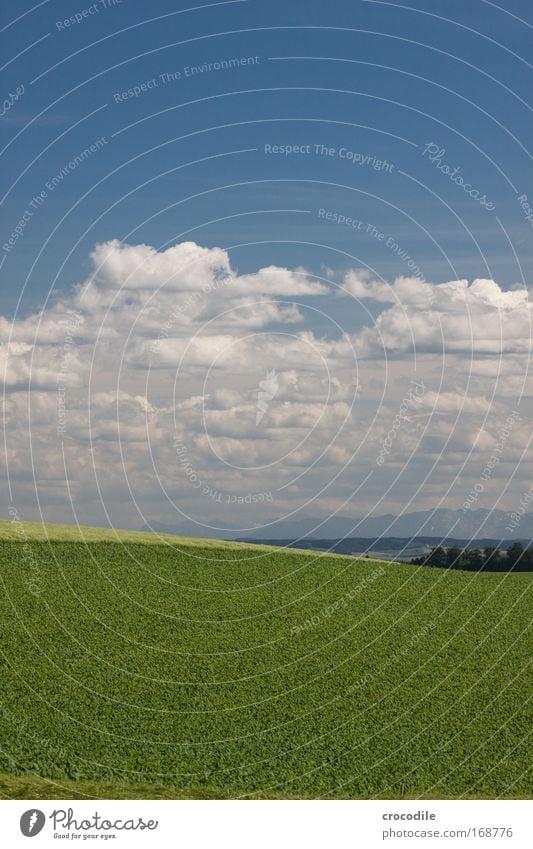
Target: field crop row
261	672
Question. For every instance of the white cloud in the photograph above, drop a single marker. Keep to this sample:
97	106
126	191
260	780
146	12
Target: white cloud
480	318
182	267
162	345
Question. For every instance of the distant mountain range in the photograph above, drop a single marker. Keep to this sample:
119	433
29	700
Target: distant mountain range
474	524
441	523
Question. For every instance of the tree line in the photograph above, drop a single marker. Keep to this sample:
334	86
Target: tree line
490	559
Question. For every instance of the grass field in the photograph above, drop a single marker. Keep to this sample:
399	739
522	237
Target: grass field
149	667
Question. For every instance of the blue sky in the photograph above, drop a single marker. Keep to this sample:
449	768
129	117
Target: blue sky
390	114
355	173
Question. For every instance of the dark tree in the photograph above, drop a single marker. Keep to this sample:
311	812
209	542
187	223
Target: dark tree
437	558
474	559
526	564
492	558
514	554
453	557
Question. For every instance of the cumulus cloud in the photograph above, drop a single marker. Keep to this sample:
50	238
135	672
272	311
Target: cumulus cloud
189	267
23	365
146	381
409	291
476	318
182	267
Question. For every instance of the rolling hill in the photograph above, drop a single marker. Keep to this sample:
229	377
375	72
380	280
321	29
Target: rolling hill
137	665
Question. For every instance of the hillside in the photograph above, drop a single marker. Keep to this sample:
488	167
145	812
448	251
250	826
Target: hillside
195	668
36	532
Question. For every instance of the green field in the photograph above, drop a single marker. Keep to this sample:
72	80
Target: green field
159	667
